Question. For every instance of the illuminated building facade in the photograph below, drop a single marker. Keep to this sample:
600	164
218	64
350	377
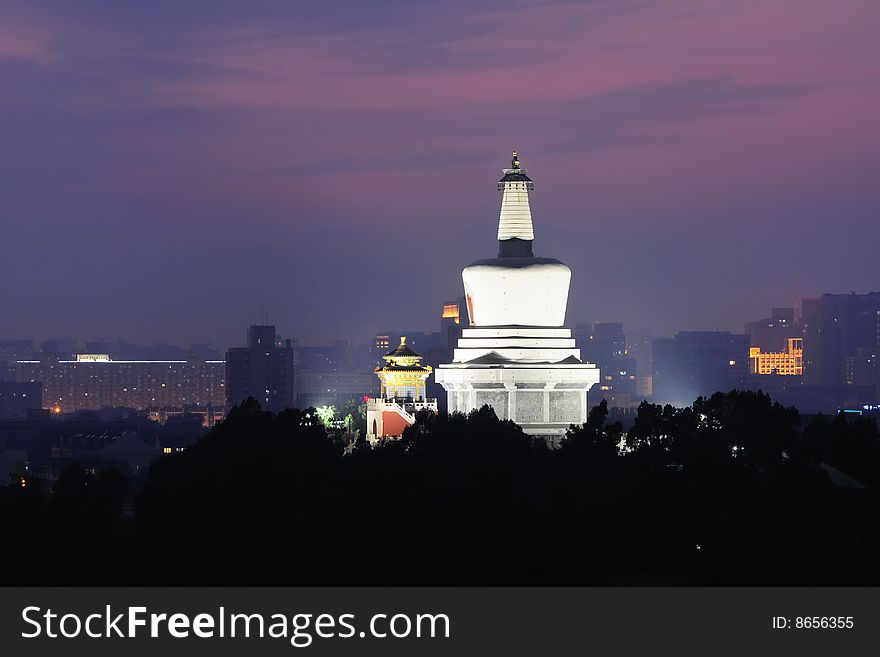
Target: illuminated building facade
403	381
452	312
787	363
516	355
452	321
91	382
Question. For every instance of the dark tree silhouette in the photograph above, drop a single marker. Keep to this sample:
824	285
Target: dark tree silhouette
728	491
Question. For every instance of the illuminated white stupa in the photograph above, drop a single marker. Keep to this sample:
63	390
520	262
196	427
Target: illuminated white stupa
517	356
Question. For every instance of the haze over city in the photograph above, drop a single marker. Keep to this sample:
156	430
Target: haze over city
173	165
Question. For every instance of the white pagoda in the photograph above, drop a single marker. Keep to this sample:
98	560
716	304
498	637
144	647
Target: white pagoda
516	356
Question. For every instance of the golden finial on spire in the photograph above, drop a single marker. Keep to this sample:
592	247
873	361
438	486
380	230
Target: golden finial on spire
402	339
514	162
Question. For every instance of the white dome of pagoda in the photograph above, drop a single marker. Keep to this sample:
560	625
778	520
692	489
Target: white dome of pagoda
535	294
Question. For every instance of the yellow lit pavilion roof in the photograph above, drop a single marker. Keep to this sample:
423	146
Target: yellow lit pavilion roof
403	358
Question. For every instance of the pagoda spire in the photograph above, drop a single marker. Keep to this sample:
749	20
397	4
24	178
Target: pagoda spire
515	230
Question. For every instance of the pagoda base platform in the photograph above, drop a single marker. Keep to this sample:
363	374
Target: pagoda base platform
531	375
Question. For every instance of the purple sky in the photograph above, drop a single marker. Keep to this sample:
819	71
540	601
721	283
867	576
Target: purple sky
165	165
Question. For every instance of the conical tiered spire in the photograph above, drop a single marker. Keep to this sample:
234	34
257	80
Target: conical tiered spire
515	222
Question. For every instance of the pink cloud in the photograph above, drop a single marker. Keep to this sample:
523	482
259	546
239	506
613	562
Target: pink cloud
695	102
25	41
583	49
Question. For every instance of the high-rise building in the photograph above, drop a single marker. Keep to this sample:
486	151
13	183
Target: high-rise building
772	334
605	344
639	343
262	370
516	355
842	339
696	363
403	381
789	362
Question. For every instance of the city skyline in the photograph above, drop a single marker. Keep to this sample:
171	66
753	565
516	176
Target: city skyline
308	299
177	169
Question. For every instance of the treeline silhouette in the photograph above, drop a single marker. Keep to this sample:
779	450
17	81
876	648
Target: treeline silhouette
729	491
